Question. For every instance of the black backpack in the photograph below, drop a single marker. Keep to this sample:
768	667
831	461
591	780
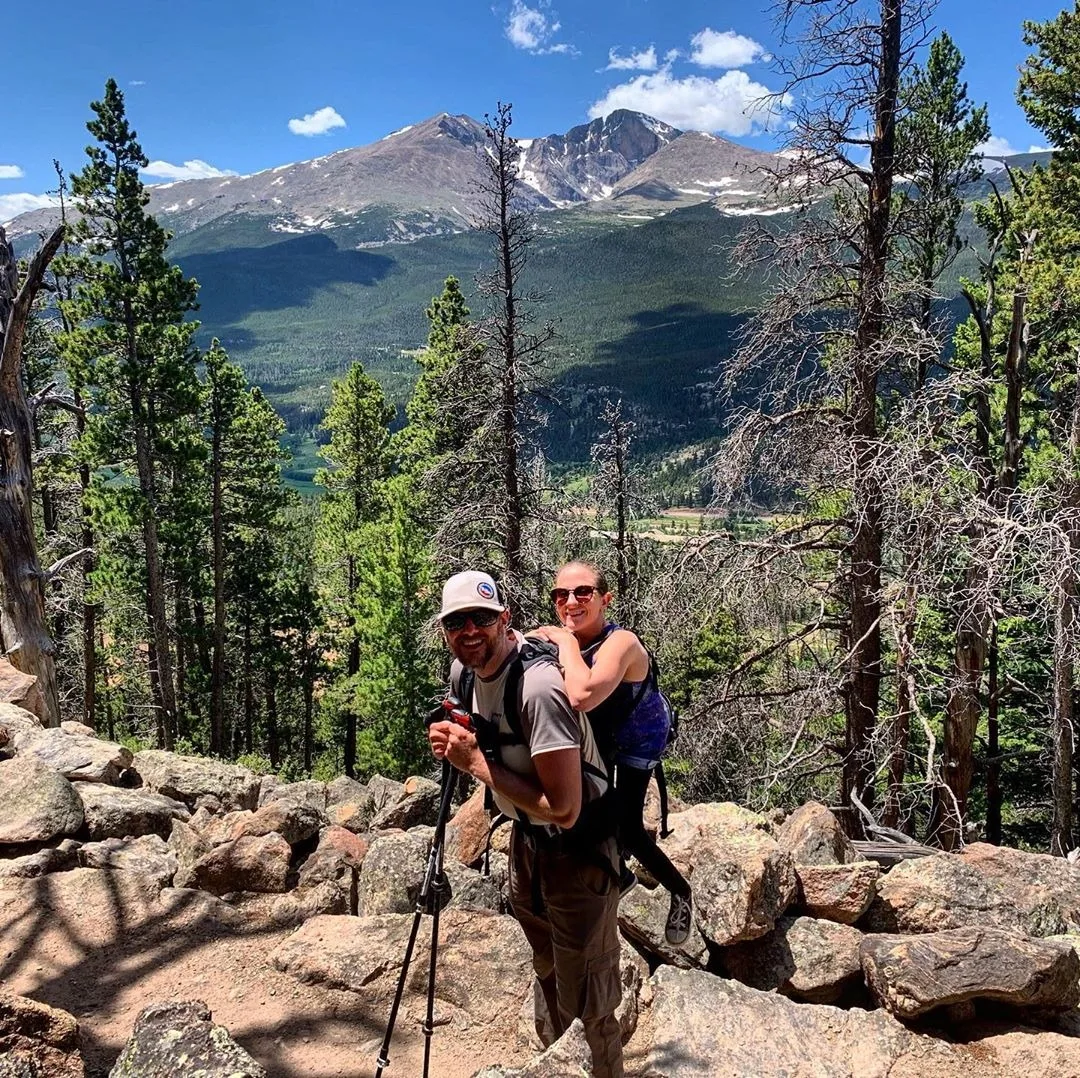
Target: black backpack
606	739
597	820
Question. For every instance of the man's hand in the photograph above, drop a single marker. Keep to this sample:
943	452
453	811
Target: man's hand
452	742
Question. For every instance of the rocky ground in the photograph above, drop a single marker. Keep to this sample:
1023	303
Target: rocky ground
168	915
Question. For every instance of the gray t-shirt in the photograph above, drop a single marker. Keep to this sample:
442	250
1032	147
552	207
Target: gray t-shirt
548	723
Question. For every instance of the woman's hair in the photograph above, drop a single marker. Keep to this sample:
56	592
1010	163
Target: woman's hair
597	572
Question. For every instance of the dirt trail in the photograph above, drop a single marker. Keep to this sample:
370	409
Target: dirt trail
97	946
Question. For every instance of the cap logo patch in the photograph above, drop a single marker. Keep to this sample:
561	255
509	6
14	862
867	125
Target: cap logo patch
485	590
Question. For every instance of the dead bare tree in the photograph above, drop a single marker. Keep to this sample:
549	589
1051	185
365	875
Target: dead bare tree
833	321
24	632
496	502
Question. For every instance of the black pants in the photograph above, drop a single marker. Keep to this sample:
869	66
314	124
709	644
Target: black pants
631	785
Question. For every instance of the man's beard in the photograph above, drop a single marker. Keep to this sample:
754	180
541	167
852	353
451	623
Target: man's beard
475	658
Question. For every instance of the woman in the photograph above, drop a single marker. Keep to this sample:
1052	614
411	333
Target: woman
606	669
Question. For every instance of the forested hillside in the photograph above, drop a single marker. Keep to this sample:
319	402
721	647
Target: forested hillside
875	389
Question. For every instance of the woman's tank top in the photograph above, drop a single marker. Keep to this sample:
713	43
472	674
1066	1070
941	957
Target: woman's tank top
633	723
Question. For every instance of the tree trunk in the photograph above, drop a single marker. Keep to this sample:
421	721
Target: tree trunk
24	633
89	609
994	799
309	701
1061	827
161	670
513	507
217	674
900	733
249	690
976	619
352	669
273	743
864	658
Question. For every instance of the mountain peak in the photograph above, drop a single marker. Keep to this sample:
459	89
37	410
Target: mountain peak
589	160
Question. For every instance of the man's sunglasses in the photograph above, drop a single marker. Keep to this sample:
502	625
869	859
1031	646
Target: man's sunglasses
583	593
454	623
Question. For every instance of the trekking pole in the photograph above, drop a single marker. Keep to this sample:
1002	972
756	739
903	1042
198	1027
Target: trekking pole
429	901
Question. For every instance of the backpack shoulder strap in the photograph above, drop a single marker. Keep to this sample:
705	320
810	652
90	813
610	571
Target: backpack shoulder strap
463	690
531	653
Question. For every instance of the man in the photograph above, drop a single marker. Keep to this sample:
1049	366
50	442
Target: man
548	778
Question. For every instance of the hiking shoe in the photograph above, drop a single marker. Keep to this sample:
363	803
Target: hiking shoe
677	929
627	880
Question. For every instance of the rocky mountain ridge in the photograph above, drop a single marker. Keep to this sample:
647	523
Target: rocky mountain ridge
422	179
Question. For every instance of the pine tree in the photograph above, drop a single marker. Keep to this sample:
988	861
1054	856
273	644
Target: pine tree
358	458
132	346
936	141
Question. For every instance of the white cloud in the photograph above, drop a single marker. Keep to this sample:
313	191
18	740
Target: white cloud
137	82
189	170
996	146
12	205
724	48
10	172
1038	149
532	29
645	60
318	122
732	104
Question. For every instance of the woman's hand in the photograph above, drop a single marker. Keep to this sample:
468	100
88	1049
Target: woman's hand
556	634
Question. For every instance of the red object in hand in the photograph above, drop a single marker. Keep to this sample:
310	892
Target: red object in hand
456	713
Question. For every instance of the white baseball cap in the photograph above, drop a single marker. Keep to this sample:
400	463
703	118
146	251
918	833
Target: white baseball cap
470	590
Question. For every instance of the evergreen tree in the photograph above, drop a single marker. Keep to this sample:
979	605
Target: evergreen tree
936	140
131	344
358	458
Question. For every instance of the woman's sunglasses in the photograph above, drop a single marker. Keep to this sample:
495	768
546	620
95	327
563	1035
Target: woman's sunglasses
454	623
583	593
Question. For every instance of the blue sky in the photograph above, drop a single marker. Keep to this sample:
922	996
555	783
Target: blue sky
216	86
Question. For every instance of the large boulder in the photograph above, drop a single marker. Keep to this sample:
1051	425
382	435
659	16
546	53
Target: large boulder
117	812
148	856
15	720
189	846
251	863
419	805
37	1041
485	963
813	836
30	866
344	789
20	690
467	830
569	1057
471	890
701	1026
188	778
295	821
327	879
802	957
912	975
180	1039
308	792
642	919
384	792
77	757
37	804
838	892
393	872
984	886
742	880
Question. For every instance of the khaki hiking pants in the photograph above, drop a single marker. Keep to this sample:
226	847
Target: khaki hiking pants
575	943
